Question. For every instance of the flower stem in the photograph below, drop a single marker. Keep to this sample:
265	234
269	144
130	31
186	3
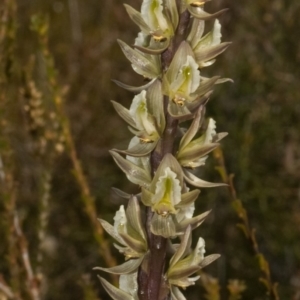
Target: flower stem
150	279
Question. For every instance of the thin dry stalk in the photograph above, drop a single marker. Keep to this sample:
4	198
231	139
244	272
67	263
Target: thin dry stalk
211	286
87	198
40	25
32	281
245	225
5	289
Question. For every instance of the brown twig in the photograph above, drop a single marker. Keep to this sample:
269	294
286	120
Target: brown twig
6	290
245	225
32	281
88	199
58	95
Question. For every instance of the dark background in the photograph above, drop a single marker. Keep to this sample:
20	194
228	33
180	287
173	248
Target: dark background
261	112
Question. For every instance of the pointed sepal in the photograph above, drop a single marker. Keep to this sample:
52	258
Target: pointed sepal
134	89
200	14
114	292
139	150
197	182
208	53
163	225
137	18
143	64
124	113
134	173
125	268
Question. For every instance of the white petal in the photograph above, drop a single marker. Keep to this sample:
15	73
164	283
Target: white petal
193	279
142	162
216	34
136	160
120	220
176	293
138	107
186	213
128	283
114	292
210	131
152	13
169	178
196	163
198	253
188	78
140	39
195	74
139	112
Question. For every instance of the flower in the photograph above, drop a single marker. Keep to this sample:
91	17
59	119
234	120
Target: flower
183	84
128	231
183	76
185	262
192	153
127	287
144	122
147	121
170	200
167	193
145	115
186	81
158	21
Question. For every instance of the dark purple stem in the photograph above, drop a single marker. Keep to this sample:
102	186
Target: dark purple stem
150	277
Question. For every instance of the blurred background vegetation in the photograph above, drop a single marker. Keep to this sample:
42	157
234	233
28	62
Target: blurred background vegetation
57	59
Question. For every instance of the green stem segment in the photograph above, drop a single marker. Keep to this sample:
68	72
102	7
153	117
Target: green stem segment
150	277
